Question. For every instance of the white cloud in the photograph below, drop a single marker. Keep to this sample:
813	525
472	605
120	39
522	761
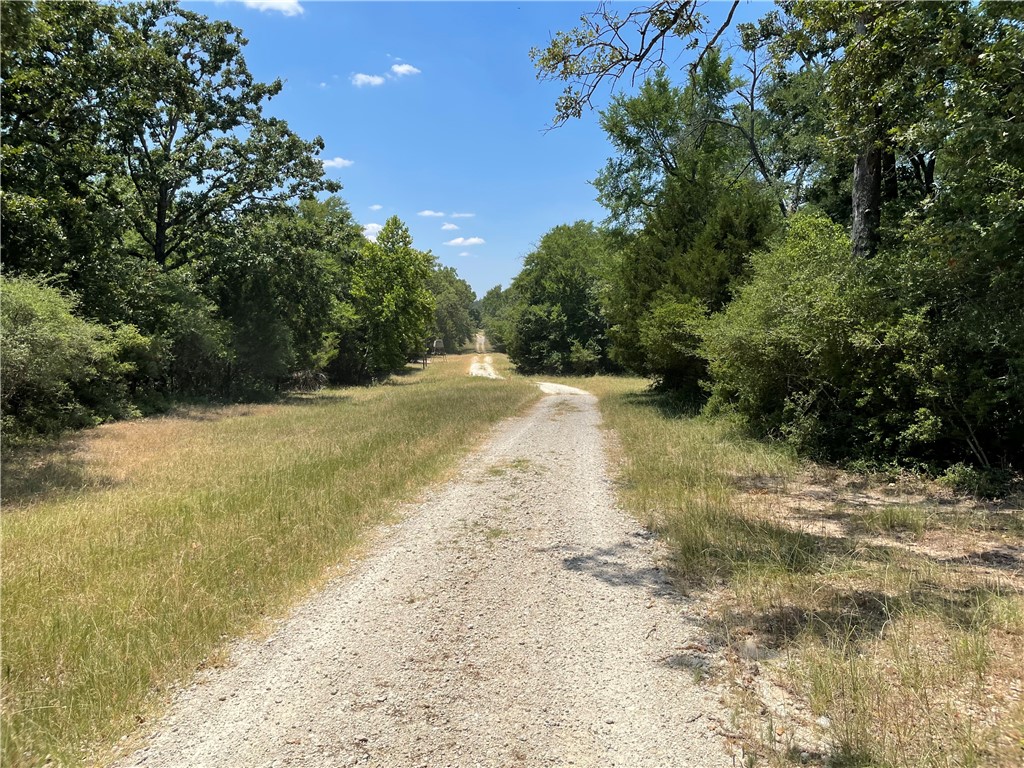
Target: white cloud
466	241
376	207
404	69
448	226
287	7
323	85
359	80
465	253
338	162
429	212
371	230
463	215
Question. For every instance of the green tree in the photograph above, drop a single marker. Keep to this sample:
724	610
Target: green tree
279	279
494	308
556	323
186	122
453	313
391	308
56	68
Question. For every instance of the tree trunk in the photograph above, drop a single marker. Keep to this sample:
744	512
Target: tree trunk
867	202
890	185
867	183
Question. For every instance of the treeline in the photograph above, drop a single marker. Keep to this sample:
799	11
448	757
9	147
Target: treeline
163	237
823	236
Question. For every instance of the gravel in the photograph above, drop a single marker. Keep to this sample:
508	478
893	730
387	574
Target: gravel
515	617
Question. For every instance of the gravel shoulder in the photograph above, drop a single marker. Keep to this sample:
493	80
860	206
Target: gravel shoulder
515	617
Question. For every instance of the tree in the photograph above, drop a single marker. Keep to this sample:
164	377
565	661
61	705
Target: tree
493	309
607	46
279	278
391	309
453	299
556	323
55	66
186	124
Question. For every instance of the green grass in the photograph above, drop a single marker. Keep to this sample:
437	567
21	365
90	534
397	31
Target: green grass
894	518
132	552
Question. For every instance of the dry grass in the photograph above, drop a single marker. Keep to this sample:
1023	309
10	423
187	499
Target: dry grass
131	552
853	621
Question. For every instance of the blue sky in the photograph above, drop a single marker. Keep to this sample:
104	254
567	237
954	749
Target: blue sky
432	112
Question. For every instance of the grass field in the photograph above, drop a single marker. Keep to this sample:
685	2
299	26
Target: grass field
859	621
132	552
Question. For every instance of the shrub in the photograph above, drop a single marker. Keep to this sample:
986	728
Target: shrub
60	371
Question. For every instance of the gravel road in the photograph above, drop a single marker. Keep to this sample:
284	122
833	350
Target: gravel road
515	617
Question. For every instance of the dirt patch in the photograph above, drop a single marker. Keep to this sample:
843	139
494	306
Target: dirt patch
483	367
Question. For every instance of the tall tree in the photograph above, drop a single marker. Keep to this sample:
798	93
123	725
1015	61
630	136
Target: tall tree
391	306
556	323
186	122
453	313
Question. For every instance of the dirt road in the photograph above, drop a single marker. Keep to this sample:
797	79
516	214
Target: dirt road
514	618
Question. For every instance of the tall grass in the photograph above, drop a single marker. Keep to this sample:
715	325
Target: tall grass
904	659
131	553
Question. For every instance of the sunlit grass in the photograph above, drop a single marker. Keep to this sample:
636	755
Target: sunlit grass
132	552
905	660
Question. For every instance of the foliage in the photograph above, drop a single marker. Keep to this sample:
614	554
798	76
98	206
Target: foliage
142	175
59	371
881	359
908	347
494	308
454	323
556	324
698	229
391	309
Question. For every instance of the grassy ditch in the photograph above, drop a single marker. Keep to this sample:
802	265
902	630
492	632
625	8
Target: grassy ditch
857	621
131	552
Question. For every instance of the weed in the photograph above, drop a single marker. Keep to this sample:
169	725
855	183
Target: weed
890	518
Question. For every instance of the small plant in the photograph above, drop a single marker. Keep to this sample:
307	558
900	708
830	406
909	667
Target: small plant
893	518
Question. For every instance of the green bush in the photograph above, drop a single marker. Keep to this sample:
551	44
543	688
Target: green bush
670	335
60	371
780	351
885	359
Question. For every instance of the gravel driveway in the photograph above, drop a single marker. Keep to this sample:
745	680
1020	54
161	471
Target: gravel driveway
516	617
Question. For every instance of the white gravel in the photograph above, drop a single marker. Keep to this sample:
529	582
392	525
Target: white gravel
516	617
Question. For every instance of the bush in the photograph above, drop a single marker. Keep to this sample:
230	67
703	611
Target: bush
670	336
780	351
60	371
890	359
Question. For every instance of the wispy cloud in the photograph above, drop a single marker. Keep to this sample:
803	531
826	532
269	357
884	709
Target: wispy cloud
466	241
370	231
338	162
465	253
448	226
359	80
287	7
401	70
463	215
429	212
376	207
